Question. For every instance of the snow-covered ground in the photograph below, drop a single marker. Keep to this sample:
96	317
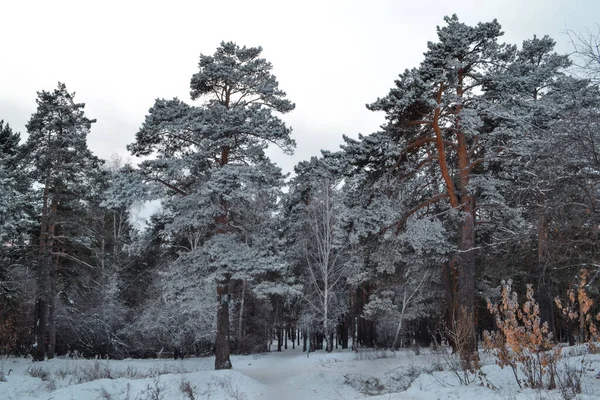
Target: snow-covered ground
288	375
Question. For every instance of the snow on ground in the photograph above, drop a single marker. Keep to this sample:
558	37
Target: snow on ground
289	375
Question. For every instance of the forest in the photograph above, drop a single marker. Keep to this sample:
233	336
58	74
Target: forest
470	218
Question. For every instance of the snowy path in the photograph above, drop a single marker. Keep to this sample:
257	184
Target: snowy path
292	375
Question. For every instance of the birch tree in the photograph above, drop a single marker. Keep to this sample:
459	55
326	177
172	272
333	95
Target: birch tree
315	228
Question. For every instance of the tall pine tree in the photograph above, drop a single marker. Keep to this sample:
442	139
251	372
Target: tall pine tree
61	163
210	160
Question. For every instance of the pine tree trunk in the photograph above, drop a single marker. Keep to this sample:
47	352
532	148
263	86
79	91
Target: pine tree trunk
465	324
540	276
279	339
241	317
41	309
52	305
43	279
293	338
222	349
449	281
304	342
344	333
51	327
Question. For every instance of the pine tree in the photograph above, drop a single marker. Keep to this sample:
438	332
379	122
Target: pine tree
61	163
211	164
434	121
16	220
15	185
539	136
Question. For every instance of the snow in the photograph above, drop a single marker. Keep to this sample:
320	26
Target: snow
291	375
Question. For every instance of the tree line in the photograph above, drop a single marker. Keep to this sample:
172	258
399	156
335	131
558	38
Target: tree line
486	169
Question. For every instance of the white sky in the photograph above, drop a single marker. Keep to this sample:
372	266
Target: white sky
331	57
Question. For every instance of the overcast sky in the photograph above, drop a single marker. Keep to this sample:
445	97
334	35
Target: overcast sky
331	57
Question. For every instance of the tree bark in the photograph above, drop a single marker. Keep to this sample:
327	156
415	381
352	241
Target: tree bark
540	276
41	309
465	324
304	341
344	333
241	318
293	338
279	339
222	350
51	327
449	281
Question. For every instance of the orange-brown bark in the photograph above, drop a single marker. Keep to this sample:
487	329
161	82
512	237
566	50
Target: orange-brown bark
442	151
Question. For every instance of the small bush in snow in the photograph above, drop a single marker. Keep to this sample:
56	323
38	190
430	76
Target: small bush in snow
153	392
522	342
569	378
579	308
38	371
367	385
124	395
186	388
397	380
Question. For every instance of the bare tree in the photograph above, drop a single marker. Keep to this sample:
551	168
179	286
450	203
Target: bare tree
323	247
586	52
410	296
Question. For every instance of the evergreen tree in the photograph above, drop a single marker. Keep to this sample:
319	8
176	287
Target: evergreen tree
62	165
211	163
13	203
16	220
434	118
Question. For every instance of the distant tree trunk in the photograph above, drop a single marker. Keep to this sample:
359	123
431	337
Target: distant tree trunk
293	338
52	328
337	336
354	328
540	276
222	350
41	309
344	331
241	317
279	338
304	341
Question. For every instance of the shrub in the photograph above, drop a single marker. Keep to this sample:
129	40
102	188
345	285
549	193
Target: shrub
578	308
39	372
522	342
